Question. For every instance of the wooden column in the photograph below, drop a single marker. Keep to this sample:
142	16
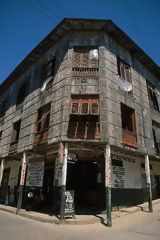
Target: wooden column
108	184
22	180
64	177
148	180
1	170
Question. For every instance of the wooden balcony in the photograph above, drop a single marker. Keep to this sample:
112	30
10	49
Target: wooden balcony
129	138
41	137
84	130
84	72
13	147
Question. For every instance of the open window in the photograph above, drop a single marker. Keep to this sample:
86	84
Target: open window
124	70
129	135
152	96
0	136
42	124
15	135
4	106
156	136
85	105
47	72
22	92
84	117
85	61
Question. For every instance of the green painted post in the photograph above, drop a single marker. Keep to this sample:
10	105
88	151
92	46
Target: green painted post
63	186
22	179
149	188
108	185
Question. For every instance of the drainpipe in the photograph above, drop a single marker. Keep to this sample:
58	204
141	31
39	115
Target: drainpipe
63	186
108	184
22	180
148	179
1	170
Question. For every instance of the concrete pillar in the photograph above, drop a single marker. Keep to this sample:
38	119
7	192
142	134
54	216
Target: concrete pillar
22	180
108	184
148	180
1	170
64	178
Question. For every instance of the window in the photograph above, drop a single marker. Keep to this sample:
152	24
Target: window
85	105
124	70
22	92
152	96
85	61
15	132
4	107
42	124
0	136
129	136
48	70
156	136
84	117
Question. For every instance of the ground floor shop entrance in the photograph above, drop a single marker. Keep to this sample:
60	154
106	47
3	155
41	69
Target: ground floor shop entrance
86	178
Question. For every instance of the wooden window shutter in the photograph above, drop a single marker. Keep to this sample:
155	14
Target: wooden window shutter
75	107
94	108
84	108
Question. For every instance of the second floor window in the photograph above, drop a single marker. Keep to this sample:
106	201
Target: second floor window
156	136
84	117
129	135
15	132
42	124
152	96
85	105
124	70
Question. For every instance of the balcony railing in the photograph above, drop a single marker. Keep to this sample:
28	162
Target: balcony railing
41	137
129	138
84	72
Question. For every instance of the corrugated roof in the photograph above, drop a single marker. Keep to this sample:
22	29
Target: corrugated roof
70	24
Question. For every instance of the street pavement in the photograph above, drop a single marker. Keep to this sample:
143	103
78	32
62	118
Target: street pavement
140	225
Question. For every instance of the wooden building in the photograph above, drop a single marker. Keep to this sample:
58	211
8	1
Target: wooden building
81	113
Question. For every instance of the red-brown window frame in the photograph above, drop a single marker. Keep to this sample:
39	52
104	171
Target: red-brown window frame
90	100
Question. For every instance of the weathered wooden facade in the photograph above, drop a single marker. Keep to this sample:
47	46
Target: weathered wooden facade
86	87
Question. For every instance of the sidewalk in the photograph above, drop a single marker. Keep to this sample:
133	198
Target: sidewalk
79	219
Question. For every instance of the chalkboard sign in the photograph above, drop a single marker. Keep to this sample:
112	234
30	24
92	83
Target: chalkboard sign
69	203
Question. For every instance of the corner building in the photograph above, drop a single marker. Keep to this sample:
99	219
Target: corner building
85	86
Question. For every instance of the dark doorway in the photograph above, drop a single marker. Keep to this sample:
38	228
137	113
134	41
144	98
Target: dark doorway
86	178
4	191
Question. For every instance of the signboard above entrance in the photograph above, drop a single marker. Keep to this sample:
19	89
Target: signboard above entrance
122	158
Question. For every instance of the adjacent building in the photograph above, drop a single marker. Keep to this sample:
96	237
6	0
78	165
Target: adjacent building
86	86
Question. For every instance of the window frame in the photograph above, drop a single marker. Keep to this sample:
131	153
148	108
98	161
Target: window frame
124	69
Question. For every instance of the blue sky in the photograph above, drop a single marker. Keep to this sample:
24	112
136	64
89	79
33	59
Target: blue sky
24	23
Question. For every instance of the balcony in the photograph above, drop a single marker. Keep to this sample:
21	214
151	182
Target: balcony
129	138
85	72
41	137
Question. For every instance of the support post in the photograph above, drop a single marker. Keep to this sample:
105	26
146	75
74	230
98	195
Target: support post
148	180
63	186
22	180
1	170
108	184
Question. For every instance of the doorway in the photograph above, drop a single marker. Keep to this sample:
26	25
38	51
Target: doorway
5	191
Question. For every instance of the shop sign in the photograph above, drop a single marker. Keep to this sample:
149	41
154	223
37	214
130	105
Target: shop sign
69	203
35	174
118	176
122	158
